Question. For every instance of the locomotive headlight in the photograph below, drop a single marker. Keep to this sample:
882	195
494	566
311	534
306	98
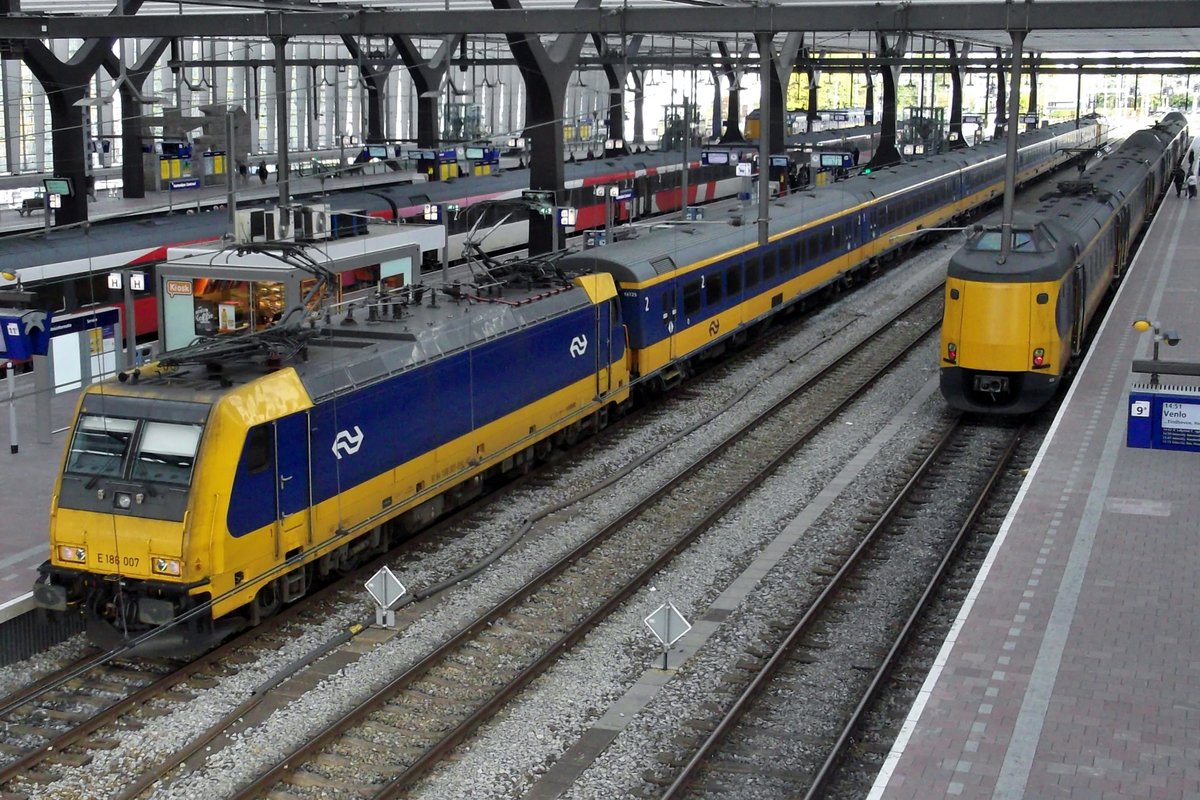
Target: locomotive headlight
167	566
71	552
951	352
123	500
1039	357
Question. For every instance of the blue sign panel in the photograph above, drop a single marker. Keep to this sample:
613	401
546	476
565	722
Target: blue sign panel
85	322
1164	420
24	333
185	183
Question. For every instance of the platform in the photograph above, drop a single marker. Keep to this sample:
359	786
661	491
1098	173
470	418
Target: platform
1073	669
110	205
26	484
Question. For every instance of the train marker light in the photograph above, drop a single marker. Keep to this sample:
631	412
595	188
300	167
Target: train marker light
1039	357
167	566
952	352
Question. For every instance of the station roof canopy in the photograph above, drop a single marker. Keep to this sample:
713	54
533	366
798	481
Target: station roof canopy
1125	27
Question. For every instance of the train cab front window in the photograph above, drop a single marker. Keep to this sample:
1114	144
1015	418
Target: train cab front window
166	453
139	450
100	445
991	241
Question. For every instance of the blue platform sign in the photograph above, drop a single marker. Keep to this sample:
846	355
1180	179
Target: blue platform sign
24	333
1161	420
185	183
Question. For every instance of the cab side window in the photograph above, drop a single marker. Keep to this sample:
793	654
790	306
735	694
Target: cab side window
257	454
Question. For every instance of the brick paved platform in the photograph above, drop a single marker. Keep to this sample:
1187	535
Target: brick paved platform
1074	669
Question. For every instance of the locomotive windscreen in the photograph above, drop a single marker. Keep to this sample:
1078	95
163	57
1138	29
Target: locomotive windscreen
133	439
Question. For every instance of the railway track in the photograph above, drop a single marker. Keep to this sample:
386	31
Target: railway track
66	717
380	747
70	715
872	739
790	708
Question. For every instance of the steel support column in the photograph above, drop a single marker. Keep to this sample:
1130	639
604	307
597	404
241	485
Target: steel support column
869	103
281	130
733	73
955	138
717	111
66	85
887	153
1032	108
1010	161
546	71
617	74
781	66
133	167
639	106
766	112
1001	97
427	77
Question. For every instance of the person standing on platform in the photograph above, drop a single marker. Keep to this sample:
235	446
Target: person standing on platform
1177	177
1191	184
262	171
243	172
1191	160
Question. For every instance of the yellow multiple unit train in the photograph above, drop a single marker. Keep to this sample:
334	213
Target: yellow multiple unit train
1014	327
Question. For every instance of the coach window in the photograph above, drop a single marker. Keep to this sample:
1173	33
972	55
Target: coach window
257	453
768	266
712	288
753	271
734	280
691	297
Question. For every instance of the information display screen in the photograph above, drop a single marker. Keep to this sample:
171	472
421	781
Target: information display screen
60	186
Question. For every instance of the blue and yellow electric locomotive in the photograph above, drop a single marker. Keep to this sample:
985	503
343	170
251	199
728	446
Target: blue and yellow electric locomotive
1013	329
216	484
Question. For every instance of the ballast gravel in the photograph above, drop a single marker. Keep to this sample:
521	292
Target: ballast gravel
531	734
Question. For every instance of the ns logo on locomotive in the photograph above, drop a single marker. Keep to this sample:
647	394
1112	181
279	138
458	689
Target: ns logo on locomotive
1015	328
202	492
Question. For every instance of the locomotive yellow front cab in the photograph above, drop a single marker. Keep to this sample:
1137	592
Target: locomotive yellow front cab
136	526
120	512
1002	329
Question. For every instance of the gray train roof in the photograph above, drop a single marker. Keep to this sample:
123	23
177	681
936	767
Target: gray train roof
729	225
344	356
1067	219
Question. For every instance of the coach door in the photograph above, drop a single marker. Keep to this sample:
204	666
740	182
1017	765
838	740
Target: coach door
1078	304
643	198
1121	231
293	497
668	303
